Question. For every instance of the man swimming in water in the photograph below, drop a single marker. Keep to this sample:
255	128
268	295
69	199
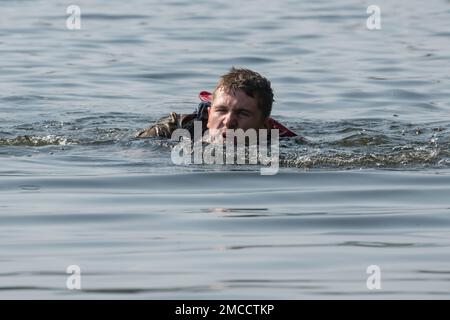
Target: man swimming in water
241	100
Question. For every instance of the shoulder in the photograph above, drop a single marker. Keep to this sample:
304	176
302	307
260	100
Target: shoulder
166	125
163	128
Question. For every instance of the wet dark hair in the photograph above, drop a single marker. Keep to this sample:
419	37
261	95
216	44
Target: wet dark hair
252	83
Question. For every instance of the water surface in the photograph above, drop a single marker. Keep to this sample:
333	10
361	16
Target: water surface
369	188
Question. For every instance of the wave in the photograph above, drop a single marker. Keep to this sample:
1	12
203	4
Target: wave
34	141
361	143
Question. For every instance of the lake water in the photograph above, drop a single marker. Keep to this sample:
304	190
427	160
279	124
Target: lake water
372	186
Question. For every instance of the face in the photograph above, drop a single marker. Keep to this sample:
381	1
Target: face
234	110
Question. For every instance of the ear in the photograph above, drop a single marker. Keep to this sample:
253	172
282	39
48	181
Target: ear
267	124
209	113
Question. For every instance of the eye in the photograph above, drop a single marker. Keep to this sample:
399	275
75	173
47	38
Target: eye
221	110
244	113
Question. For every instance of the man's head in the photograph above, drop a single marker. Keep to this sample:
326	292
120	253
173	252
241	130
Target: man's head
242	100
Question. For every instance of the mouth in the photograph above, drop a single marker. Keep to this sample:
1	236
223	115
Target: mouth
221	135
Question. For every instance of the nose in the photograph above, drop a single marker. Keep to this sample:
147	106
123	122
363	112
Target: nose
230	121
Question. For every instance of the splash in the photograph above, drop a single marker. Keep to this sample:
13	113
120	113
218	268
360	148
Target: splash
35	141
344	144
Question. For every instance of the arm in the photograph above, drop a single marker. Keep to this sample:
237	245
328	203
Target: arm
163	128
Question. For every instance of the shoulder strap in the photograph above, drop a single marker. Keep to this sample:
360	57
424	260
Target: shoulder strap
202	111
